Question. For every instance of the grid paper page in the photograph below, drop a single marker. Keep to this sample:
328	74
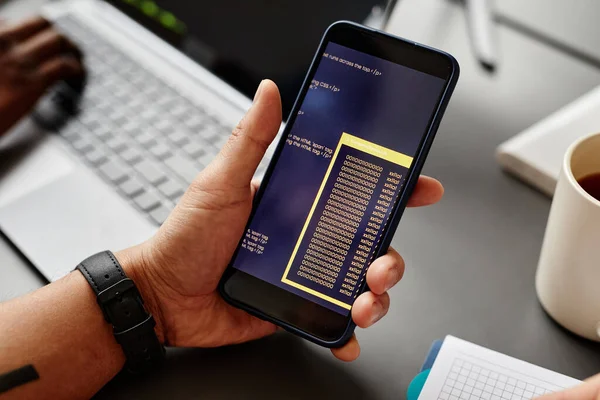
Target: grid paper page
465	371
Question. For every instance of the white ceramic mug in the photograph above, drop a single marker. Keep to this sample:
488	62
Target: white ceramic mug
568	275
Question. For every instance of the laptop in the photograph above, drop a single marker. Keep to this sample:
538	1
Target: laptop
167	82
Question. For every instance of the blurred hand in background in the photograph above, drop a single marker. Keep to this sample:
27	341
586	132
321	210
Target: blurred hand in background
33	57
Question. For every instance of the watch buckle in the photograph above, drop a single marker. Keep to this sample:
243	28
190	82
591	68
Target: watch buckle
116	291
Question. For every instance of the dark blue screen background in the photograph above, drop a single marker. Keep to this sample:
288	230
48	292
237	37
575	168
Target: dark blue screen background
392	110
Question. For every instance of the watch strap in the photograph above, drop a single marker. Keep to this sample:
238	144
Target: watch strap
123	307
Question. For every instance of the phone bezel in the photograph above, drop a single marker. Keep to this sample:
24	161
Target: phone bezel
300	316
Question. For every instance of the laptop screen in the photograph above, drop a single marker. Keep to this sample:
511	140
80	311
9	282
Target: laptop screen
245	41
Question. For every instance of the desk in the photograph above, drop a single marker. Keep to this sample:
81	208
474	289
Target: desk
471	259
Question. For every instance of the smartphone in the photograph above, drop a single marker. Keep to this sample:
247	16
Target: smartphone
341	175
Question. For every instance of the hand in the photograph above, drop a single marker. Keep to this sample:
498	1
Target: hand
178	270
33	57
589	390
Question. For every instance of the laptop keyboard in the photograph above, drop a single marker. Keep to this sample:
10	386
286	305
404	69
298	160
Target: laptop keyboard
135	131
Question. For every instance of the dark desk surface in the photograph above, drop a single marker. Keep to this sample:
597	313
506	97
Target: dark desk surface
471	259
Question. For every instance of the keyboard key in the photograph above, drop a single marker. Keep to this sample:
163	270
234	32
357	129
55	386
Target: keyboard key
127	69
194	122
178	138
177	200
83	145
130	70
96	157
136	105
131	187
151	115
150	171
103	132
119	120
164	125
160	214
161	151
194	149
132	128
118	117
209	132
117	144
109	79
89	117
205	159
71	130
180	111
131	155
171	189
146	139
114	171
137	80
113	58
105	106
175	102
164	100
87	102
92	125
219	140
147	201
182	167
225	128
122	91
149	81
151	93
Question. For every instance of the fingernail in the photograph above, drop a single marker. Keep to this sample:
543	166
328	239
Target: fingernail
257	94
378	312
392	277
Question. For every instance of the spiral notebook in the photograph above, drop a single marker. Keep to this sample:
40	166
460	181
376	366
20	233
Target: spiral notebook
466	371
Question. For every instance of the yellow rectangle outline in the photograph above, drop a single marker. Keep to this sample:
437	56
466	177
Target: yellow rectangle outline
366	147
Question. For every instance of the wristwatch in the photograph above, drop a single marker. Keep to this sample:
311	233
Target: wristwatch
123	307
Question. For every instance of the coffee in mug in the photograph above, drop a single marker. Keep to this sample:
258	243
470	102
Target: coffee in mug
591	184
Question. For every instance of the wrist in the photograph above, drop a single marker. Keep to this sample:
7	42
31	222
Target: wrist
134	262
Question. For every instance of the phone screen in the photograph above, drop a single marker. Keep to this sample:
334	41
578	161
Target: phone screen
334	185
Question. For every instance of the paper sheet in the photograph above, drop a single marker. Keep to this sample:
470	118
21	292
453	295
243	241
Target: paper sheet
465	371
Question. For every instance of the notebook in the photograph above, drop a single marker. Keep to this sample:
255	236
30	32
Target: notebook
466	371
536	154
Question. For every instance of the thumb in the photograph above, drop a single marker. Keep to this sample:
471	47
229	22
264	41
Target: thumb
248	142
588	390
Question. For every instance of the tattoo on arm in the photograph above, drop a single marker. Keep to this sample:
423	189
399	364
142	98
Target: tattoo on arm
18	377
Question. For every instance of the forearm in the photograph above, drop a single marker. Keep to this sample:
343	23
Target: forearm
60	330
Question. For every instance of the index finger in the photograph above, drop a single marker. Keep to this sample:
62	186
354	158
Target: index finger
427	191
44	46
23	30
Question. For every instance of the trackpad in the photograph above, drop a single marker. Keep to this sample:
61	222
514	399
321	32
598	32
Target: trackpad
28	161
60	224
